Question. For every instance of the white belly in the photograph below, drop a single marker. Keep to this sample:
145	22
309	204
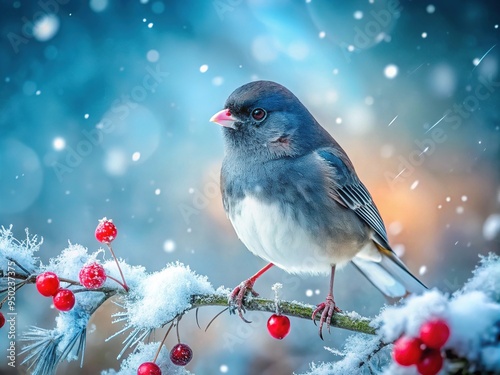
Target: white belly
274	236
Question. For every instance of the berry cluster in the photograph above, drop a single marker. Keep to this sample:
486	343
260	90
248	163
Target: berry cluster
424	351
180	355
48	285
91	276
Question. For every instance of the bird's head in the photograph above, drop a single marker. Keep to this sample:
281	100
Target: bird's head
263	120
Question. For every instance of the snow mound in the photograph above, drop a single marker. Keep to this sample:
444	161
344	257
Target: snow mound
68	264
22	252
407	318
486	277
161	296
357	351
472	314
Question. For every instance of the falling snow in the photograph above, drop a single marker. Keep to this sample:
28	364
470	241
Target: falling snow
169	246
59	143
430	9
395	228
136	156
358	15
98	5
491	227
46	27
153	55
391	71
422	270
217	81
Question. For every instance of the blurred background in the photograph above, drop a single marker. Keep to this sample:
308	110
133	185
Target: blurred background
104	109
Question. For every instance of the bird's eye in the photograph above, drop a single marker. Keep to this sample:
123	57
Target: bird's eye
259	114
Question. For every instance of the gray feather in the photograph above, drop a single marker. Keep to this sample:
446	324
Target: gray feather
390	275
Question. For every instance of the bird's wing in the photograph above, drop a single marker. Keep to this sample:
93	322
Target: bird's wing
350	192
388	273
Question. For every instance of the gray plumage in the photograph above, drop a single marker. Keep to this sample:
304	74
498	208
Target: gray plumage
293	196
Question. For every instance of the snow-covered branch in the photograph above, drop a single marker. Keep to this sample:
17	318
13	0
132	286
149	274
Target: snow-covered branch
350	321
432	332
345	320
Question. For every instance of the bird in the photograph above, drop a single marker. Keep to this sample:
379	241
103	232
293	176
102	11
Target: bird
294	198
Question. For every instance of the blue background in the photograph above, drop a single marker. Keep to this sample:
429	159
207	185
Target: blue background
104	109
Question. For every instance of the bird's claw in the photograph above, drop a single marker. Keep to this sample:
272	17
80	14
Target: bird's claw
327	309
237	298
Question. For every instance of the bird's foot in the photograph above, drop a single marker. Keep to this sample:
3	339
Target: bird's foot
237	297
327	309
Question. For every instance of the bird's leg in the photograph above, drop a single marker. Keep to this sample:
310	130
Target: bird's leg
238	294
326	308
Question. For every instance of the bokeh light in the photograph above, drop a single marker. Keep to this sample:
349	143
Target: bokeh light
105	108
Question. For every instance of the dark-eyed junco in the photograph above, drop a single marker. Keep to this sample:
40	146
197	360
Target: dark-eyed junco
294	198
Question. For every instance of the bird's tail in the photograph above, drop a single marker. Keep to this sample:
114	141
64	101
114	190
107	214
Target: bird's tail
389	274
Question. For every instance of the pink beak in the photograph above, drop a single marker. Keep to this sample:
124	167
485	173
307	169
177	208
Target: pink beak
224	118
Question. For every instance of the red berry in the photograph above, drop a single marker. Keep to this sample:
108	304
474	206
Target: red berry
2	319
278	326
430	363
181	355
435	333
64	300
105	231
407	351
148	368
47	284
92	276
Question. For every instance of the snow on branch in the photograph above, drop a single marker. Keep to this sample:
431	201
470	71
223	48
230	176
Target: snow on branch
346	320
471	316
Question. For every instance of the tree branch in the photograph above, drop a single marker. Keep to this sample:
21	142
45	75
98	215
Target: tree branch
349	321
